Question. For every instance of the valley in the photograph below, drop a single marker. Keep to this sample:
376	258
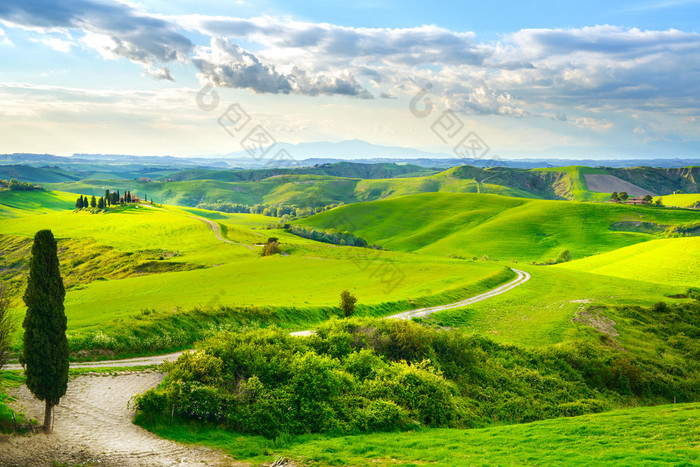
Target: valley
532	276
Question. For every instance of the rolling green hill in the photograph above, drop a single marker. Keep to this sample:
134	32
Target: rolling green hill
688	200
666	261
500	227
136	258
25	173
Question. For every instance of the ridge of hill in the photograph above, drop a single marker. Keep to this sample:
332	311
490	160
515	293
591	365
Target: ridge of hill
499	227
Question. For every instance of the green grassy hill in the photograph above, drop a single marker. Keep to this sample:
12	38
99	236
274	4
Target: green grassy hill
351	183
662	181
138	258
663	435
673	261
682	200
500	227
27	173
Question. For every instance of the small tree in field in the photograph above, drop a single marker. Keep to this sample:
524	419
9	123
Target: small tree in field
93	202
272	247
101	203
647	199
347	303
7	326
615	197
624	196
45	354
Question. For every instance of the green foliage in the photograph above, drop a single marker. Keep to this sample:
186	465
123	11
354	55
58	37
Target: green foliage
330	236
361	375
16	185
347	303
7	326
271	247
45	351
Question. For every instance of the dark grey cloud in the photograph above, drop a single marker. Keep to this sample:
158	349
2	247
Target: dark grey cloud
407	46
228	65
135	36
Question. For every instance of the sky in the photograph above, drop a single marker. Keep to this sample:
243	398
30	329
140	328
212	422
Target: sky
198	78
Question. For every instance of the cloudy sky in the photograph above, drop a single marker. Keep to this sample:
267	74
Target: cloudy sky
596	79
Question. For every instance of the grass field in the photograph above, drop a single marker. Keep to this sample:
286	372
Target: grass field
672	261
539	312
312	275
681	201
192	187
664	435
500	227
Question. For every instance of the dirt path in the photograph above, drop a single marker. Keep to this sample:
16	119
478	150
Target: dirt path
92	422
422	312
215	228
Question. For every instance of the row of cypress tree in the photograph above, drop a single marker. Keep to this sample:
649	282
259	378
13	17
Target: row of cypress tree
109	199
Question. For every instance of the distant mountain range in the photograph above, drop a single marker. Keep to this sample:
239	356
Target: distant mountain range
310	154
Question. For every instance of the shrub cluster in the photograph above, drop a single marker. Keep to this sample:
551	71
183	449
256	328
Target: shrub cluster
16	185
329	236
288	211
360	375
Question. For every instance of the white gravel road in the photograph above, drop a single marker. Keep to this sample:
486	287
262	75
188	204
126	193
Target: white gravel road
93	423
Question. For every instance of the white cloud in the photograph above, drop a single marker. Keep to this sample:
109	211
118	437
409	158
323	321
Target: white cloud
4	40
60	45
531	72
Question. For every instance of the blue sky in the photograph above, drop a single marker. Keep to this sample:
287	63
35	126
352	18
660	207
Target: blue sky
580	79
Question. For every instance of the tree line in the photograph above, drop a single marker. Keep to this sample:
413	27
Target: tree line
16	185
291	211
330	236
623	196
110	198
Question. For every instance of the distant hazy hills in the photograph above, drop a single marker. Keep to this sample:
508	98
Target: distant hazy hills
310	154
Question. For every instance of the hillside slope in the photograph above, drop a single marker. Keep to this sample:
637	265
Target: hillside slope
501	227
666	261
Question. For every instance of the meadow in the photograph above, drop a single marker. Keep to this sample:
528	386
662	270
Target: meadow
662	435
192	269
504	228
586	335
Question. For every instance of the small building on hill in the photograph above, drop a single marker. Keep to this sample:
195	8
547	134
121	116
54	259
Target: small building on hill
635	200
144	179
135	199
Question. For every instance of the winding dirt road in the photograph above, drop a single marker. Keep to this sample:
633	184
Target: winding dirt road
93	424
215	228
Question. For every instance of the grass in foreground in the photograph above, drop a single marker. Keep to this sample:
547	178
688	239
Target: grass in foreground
641	436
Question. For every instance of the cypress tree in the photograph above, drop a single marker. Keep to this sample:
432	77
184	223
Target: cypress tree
79	202
45	354
101	203
93	202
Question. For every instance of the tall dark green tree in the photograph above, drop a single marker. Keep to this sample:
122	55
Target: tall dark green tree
347	303
7	325
45	352
79	202
93	202
107	197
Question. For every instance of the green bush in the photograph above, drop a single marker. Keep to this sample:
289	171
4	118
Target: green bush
359	375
